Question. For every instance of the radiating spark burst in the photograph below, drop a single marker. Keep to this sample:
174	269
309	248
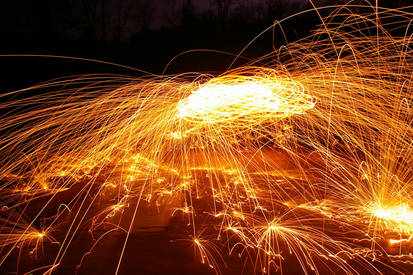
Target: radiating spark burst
302	156
17	232
395	217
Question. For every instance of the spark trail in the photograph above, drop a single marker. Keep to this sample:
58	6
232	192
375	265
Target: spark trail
300	158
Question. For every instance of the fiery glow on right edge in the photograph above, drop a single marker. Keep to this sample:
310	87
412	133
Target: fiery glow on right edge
396	217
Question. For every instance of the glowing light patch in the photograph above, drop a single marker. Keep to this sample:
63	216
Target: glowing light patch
397	217
250	100
227	100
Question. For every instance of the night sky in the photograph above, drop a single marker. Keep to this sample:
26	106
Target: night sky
144	34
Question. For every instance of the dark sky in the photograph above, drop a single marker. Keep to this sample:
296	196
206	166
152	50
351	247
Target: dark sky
147	32
162	7
74	28
162	11
27	15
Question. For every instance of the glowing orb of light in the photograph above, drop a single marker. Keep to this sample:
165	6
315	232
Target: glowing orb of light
225	101
244	101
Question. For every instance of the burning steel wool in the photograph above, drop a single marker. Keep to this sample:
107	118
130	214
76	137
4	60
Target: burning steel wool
252	100
300	161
